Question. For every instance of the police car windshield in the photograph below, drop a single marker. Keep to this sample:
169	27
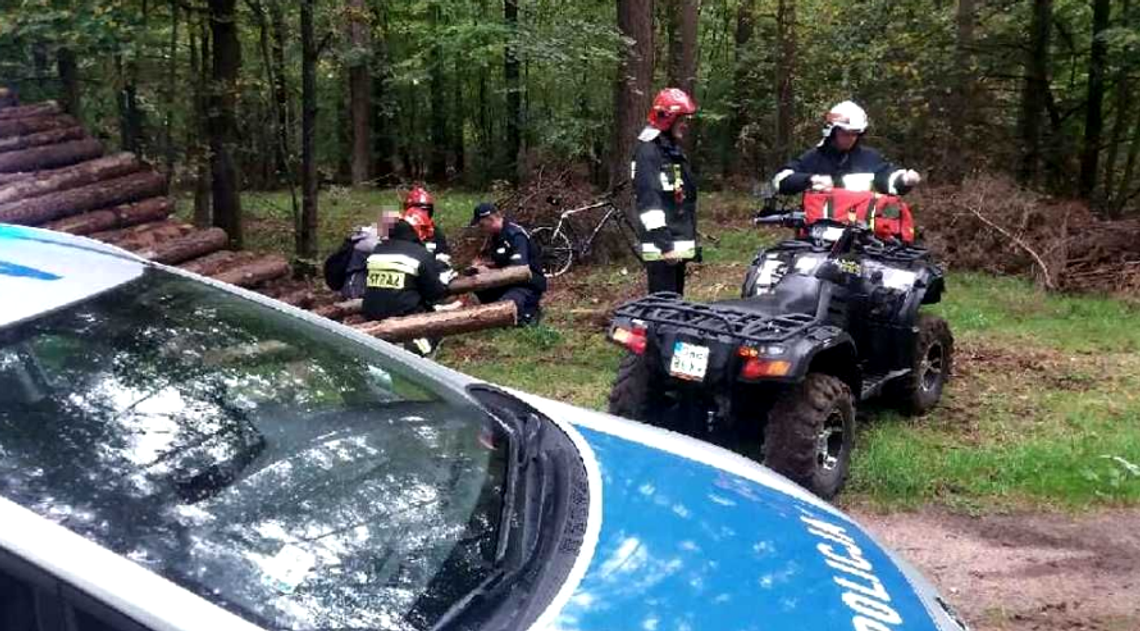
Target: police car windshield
297	478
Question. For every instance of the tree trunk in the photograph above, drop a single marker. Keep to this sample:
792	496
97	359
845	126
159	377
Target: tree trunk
632	89
785	78
257	271
126	215
733	161
81	174
962	102
683	16
45	208
514	89
18	143
130	118
383	148
1094	115
1129	167
360	92
185	248
171	90
1123	98
47	108
444	323
68	69
34	124
307	232
437	160
197	131
282	121
222	119
50	156
1035	91
7	98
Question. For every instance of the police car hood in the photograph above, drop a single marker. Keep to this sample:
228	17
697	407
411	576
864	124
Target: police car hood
695	537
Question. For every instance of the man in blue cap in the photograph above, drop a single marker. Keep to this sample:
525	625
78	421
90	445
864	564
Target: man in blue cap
507	245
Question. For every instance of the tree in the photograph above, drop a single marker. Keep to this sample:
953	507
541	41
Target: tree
306	232
222	119
514	94
785	77
1094	119
634	82
1036	90
683	16
360	91
962	102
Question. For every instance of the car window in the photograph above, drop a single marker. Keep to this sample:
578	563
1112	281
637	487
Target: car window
286	472
30	600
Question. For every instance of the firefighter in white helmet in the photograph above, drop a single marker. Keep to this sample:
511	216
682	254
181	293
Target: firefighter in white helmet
841	161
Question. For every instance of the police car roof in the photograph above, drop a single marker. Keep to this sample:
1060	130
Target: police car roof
41	270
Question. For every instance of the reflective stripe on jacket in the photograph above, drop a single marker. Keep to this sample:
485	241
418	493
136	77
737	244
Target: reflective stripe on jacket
665	195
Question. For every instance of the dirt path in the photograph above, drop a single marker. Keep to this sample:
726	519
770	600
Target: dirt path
1028	571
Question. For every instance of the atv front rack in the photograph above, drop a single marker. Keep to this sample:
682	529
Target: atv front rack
715	319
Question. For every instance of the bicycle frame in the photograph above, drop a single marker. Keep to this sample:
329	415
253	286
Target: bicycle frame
583	248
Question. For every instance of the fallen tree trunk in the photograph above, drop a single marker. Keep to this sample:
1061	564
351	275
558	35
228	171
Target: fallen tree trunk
8	178
485	280
187	247
442	324
490	279
51	156
59	180
45	208
47	108
145	236
126	215
258	271
25	126
55	136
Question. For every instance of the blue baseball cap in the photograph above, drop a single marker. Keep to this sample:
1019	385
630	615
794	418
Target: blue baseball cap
484	209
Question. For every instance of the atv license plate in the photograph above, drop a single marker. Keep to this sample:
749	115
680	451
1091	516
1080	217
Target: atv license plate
690	361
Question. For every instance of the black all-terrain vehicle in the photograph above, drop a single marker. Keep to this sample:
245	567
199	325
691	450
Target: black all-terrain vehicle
827	319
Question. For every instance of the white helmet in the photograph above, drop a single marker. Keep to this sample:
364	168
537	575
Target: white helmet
846	115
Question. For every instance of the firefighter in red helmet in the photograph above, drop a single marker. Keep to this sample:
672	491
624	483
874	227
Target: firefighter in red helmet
666	192
420	199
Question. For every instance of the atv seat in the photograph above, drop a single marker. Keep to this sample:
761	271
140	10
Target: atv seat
795	293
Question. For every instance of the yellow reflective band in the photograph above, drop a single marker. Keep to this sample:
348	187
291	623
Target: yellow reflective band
394	262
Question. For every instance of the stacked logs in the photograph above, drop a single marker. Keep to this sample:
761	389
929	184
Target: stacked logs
53	175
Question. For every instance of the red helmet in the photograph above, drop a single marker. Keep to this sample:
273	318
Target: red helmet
669	104
418	218
418	197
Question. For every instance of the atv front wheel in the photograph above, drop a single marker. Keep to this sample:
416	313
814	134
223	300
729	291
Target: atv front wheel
810	434
919	391
631	392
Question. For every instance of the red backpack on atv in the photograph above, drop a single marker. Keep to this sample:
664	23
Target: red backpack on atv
888	215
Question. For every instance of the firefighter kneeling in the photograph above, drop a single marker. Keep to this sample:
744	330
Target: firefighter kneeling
403	277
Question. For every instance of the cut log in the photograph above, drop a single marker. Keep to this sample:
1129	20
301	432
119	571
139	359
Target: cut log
17	143
8	178
340	310
25	126
50	156
442	324
142	235
490	279
191	246
153	209
302	298
218	262
258	271
47	108
58	180
45	208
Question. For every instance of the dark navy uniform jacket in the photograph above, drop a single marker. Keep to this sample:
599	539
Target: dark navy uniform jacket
860	169
666	196
512	246
403	277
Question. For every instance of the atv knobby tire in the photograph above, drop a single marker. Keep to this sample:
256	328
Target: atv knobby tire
810	434
920	390
632	389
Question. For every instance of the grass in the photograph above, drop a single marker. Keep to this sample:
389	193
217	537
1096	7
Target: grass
1043	410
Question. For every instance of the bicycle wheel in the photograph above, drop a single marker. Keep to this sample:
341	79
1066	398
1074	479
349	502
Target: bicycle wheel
557	251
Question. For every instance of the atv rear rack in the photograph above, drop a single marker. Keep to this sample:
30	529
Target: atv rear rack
716	319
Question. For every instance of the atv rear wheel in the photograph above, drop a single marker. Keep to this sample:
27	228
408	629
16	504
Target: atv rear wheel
920	390
810	434
631	392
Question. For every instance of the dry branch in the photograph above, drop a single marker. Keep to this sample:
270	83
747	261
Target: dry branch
442	324
1021	244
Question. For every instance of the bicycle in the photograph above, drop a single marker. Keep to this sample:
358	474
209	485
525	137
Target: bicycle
561	246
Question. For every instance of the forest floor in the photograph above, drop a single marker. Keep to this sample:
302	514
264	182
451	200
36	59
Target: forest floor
1019	495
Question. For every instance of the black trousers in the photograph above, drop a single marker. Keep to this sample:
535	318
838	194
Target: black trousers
526	300
665	277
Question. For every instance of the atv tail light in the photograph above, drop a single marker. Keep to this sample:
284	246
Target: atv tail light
632	338
756	368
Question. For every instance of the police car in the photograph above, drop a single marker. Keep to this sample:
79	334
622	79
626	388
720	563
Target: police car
179	454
